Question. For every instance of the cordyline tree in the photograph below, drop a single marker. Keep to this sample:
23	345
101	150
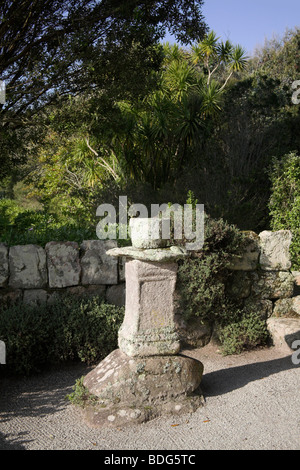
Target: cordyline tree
53	48
147	142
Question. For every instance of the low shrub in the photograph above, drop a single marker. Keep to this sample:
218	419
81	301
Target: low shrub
285	200
22	227
247	331
201	286
81	396
202	276
69	329
9	211
19	226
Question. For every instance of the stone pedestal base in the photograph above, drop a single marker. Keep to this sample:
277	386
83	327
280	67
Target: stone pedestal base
149	328
129	390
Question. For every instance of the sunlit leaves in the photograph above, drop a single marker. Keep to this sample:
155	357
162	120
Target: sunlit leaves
212	99
151	140
206	49
238	59
180	77
211	54
224	51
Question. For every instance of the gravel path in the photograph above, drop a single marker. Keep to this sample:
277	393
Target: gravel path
252	402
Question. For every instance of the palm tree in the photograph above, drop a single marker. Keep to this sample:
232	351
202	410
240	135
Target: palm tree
205	50
211	99
237	62
157	136
179	79
225	51
212	54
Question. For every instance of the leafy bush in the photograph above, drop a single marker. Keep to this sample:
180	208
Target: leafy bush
285	200
9	210
201	278
20	227
81	395
69	329
201	287
247	331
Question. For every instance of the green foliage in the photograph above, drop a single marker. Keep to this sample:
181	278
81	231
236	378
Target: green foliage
184	131
67	329
50	51
213	55
284	203
9	210
19	226
81	396
146	140
201	278
279	57
228	171
247	331
201	286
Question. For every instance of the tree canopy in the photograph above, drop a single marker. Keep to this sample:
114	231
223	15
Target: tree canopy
54	48
57	47
147	142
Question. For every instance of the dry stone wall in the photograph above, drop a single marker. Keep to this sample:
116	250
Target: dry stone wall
261	278
31	273
264	271
270	286
271	279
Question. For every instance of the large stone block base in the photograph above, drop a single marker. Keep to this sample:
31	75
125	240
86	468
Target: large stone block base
129	390
284	331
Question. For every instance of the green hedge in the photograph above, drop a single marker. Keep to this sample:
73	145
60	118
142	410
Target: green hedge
69	329
285	200
21	227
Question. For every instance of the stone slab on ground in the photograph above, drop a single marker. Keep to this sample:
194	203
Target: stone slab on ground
284	331
136	390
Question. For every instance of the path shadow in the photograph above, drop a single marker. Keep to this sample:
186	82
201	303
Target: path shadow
226	380
36	396
10	442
